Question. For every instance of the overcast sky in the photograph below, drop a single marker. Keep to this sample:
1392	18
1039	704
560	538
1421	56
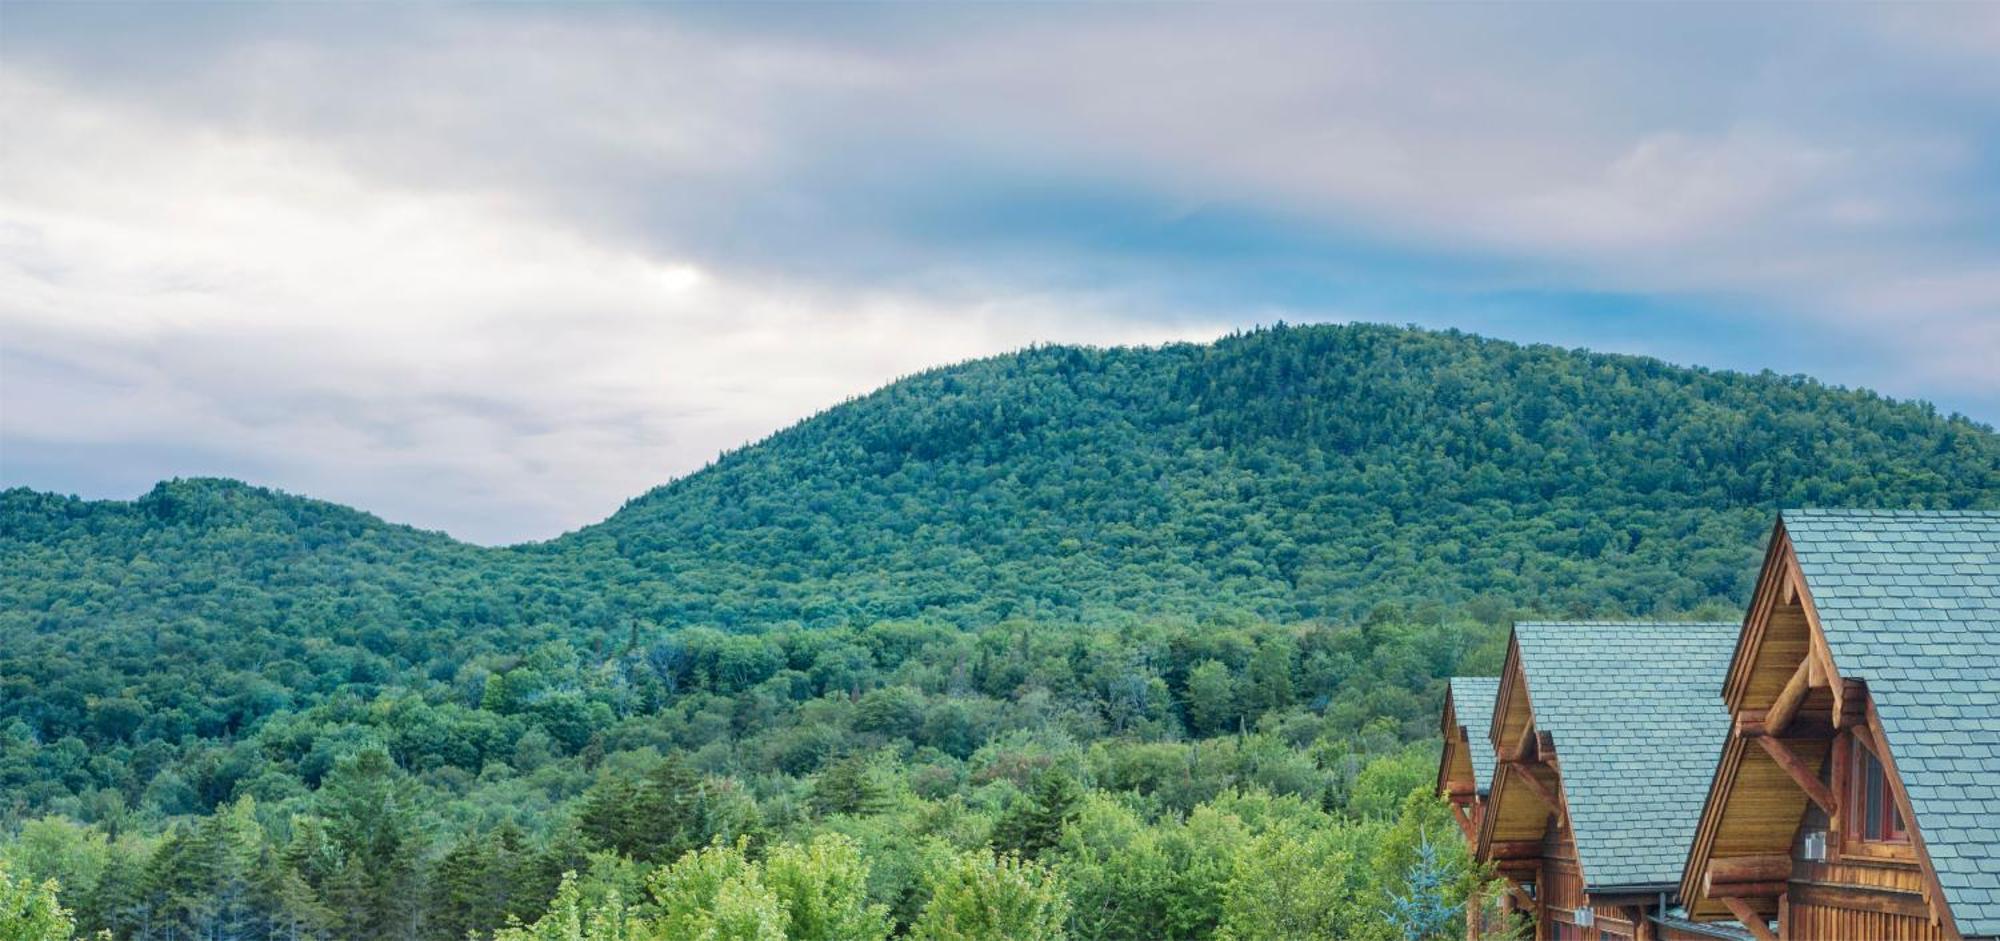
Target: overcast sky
494	270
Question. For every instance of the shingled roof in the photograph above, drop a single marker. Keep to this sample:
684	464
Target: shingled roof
1472	706
1635	713
1909	601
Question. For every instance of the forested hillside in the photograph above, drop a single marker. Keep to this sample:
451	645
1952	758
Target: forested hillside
1162	624
1292	473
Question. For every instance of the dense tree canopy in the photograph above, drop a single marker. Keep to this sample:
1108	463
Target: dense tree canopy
1096	643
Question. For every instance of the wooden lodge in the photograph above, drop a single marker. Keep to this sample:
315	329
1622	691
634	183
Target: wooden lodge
1602	735
1858	791
1465	769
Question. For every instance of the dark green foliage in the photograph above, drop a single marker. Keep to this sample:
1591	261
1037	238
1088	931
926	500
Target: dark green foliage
1035	821
1295	472
849	786
657	816
482	880
1179	575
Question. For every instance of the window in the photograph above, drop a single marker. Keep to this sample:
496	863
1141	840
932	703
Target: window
1873	813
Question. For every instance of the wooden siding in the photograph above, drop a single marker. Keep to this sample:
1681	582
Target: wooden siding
1756	809
1840	922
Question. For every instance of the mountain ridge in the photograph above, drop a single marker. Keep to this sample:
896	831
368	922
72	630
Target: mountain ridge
1290	472
163	488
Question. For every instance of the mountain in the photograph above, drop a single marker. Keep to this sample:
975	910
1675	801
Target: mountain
1290	473
1285	474
1189	576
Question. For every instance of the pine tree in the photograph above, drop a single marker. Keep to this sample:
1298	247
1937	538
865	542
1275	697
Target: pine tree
1424	912
610	817
1035	821
848	786
671	800
460	890
372	822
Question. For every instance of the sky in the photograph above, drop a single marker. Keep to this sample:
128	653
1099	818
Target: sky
496	269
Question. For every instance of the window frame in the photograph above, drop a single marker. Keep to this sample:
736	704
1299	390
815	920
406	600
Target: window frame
1857	755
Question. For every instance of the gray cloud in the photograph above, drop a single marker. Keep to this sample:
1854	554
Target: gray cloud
496	269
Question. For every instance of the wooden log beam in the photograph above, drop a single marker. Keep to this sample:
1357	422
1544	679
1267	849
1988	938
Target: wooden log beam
1787	704
1772	868
1801	775
1851	707
1758	927
1540	790
1518	849
1749	890
1522	748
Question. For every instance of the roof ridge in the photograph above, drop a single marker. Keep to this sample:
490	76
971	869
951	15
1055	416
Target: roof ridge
1885	511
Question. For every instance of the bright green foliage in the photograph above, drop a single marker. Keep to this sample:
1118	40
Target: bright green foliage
30	912
824	890
59	849
1381	786
1422	876
571	918
1293	883
1211	699
717	894
981	897
816	892
1131	880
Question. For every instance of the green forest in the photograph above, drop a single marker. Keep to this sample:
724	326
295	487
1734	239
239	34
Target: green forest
1083	643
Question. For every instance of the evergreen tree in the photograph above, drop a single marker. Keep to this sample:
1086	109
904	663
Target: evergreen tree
373	823
1425	911
849	786
1035	821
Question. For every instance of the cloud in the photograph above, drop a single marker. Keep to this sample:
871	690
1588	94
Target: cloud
495	269
445	359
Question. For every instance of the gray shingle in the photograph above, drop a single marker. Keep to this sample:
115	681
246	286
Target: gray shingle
1923	629
1472	705
1636	713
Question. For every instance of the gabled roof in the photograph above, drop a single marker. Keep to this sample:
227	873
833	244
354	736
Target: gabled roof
1472	705
1909	602
1634	710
